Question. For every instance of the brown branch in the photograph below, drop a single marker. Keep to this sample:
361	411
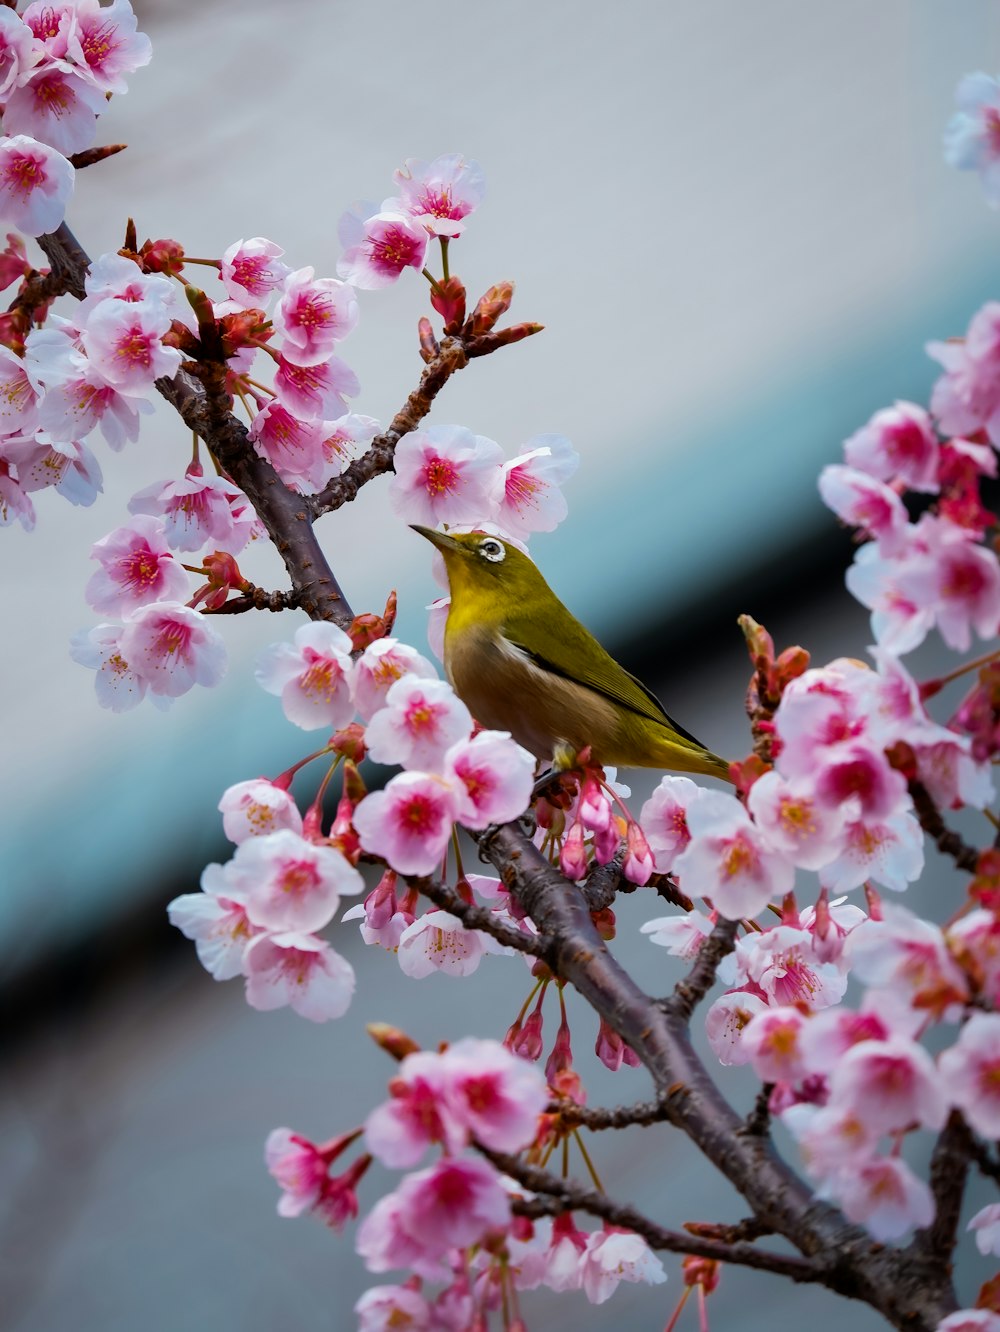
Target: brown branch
475	917
948	842
949	1171
624	1116
602	884
689	992
255	598
563	1195
987	1165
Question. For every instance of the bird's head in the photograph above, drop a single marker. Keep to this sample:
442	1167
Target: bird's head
484	568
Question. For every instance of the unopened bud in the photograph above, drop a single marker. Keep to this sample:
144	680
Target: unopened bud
393	1041
429	346
490	306
448	298
350	742
161	256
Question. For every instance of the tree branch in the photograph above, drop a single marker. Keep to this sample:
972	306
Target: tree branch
949	843
689	992
475	917
625	1116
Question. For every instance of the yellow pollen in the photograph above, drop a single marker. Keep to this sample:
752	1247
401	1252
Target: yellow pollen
741	858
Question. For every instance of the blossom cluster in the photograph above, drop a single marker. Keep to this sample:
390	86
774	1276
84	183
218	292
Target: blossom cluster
451	1222
59	63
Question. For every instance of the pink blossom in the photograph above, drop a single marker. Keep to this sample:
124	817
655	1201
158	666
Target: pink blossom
974	940
796	823
884	1195
137	567
986	1224
15	502
299	1167
772	1042
888	851
313	315
293	446
292	885
379	667
441	193
384	919
300	970
830	1138
563	1268
958	579
393	1309
379	247
494	1095
71	469
445	474
57	106
17	52
35	185
409	822
216	919
123	341
102	40
257	807
493	778
861	779
18	398
118	686
251	270
384	1244
420	721
336	445
196	509
972	139
897	444
312	676
970	1320
77	397
681	935
783	964
865	503
970	1070
49	22
114	276
400	1130
728	860
664	819
531	500
172	647
967	396
438	941
726	1022
906	954
614	1255
890	1084
612	1051
320	390
900	620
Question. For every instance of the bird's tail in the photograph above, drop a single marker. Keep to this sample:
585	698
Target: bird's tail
676	755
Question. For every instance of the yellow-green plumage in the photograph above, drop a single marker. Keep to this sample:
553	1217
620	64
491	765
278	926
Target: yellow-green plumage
522	663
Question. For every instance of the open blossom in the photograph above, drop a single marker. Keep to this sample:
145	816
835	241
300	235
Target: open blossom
18	397
292	446
137	567
118	685
890	1084
216	919
102	41
905	954
438	941
897	444
35	185
337	444
441	193
173	647
452	1204
57	106
300	1168
301	971
313	315
986	1224
292	884
17	52
77	397
728	860
884	1195
379	667
123	340
614	1255
830	1138
531	500
409	822
888	851
493	778
393	1309
445	474
804	829
379	247
958	579
664	819
319	390
312	676
900	621
682	935
972	139
70	469
420	720
866	503
970	1070
257	807
782	962
967	396
251	270
197	509
726	1022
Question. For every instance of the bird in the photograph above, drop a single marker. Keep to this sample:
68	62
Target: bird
521	662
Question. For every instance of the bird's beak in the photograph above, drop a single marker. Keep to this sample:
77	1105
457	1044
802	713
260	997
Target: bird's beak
440	539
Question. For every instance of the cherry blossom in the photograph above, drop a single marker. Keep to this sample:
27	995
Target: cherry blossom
197	509
400	1130
420	720
299	1167
958	579
972	140
173	648
18	398
971	1073
614	1255
102	40
986	1226
664	819
137	567
122	339
17	52
438	941
728	859
393	1309
861	500
495	1096
257	807
726	1022
967	396
293	446
313	315
884	1195
681	935
379	247
531	500
970	1320
119	686
70	469
57	106
338	438
409	822
216	919
441	193
493	778
379	667
299	970
292	885
35	184
897	444
77	397
783	964
900	621
312	676
888	851
252	270
907	954
320	390
889	1084
445	474
830	1138
805	830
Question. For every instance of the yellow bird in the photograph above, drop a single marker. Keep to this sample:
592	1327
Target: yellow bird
522	663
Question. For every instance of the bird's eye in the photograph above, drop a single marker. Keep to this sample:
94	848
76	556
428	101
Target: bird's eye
492	550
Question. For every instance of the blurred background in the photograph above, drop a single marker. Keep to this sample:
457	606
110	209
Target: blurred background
736	225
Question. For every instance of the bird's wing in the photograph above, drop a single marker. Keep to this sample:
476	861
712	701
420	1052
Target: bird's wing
563	646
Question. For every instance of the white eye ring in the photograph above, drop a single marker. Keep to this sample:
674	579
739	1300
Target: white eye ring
492	550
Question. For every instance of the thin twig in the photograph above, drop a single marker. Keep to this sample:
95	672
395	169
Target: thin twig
624	1116
475	917
689	992
948	842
